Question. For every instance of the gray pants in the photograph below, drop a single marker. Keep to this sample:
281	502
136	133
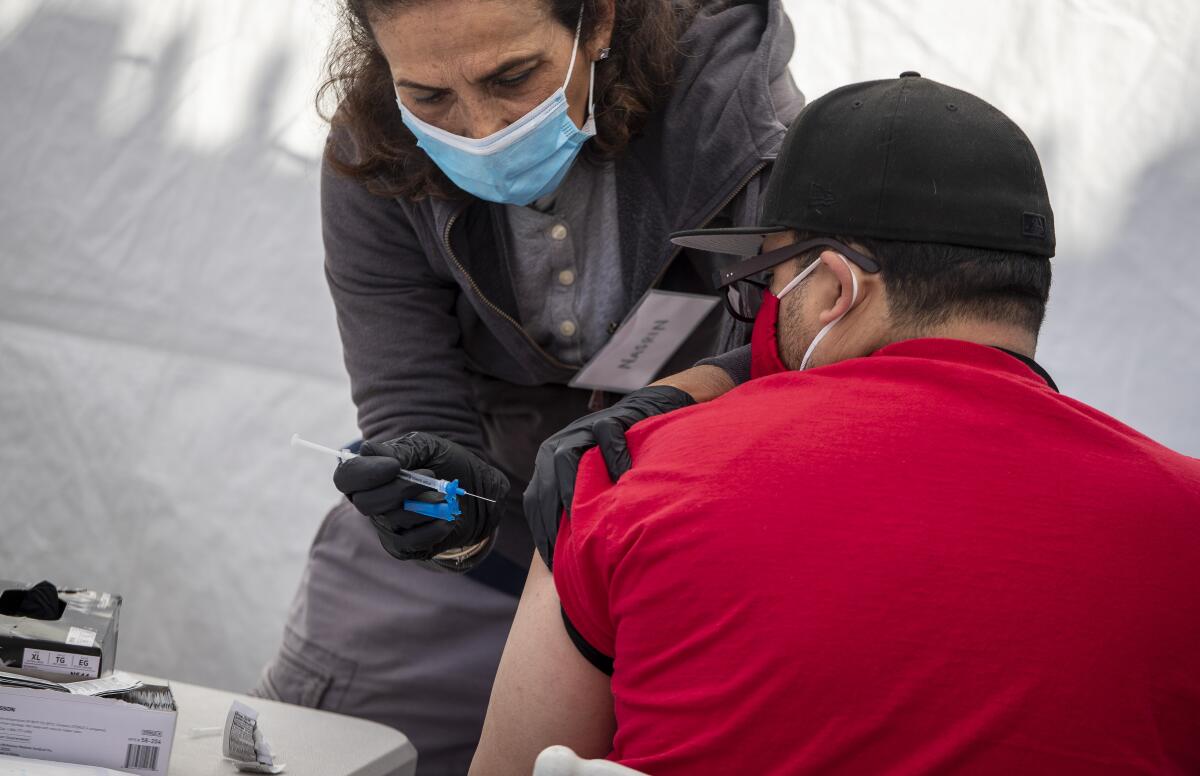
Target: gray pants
374	637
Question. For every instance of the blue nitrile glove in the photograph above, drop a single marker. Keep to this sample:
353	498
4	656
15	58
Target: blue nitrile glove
370	482
552	486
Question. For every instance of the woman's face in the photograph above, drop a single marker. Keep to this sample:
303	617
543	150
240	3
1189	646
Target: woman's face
472	67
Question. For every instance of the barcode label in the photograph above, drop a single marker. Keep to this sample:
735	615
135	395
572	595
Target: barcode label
141	757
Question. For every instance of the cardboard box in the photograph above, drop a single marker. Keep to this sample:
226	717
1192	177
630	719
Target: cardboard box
106	732
81	643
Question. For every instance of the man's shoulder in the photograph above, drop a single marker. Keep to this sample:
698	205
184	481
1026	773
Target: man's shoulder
879	398
674	452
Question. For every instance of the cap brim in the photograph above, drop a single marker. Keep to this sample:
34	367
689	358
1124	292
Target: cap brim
737	240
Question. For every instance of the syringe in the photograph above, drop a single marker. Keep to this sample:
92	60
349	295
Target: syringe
448	488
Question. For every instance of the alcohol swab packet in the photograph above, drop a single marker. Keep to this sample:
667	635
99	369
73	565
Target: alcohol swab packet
243	742
205	732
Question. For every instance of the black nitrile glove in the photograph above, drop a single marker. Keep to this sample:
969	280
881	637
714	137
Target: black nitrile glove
552	487
370	483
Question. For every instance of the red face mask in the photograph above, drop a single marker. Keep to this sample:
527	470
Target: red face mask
764	341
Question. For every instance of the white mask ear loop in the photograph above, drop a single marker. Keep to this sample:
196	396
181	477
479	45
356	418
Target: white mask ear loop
590	121
574	48
589	125
808	354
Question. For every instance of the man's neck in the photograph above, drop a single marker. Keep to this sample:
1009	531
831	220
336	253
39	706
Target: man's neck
997	335
983	332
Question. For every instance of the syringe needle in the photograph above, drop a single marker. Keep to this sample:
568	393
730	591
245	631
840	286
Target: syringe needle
481	498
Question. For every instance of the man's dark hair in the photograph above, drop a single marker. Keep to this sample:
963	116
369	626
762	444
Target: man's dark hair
930	283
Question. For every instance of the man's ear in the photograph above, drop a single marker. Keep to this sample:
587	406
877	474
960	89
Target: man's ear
847	280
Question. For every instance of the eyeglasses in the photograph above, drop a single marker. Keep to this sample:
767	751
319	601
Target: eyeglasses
743	294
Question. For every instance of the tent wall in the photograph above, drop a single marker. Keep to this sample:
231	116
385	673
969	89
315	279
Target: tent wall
164	325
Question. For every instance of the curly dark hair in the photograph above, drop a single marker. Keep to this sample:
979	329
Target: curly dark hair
629	87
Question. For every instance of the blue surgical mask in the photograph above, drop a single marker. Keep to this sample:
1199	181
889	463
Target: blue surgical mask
523	162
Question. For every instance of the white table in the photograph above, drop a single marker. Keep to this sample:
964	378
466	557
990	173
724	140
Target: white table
309	741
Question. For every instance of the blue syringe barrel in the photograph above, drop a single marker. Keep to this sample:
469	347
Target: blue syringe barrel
448	509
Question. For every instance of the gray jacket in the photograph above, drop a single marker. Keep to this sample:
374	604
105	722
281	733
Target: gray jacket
425	300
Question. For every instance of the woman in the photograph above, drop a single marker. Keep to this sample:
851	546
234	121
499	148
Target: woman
499	183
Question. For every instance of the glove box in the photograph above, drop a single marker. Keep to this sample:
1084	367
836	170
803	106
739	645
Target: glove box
57	633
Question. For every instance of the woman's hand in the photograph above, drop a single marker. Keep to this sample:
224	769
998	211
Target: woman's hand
370	482
552	487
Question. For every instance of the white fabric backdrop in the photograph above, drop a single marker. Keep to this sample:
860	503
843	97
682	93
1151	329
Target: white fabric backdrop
164	325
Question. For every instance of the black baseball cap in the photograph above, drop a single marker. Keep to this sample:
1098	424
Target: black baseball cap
901	159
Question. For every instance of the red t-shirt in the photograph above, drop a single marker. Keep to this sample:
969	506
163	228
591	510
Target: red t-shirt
921	561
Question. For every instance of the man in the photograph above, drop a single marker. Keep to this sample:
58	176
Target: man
901	550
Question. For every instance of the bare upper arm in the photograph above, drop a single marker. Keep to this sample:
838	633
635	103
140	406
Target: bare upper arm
545	691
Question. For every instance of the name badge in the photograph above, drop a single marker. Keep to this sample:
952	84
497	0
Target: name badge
650	335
